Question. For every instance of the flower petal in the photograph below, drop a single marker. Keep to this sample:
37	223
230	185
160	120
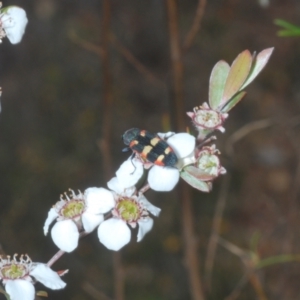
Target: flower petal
47	277
130	172
65	235
182	143
163	179
114	234
20	289
91	221
144	227
14	22
149	206
52	215
115	185
99	200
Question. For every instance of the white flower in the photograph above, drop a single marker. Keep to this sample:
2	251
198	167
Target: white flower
205	118
77	213
129	173
208	162
17	277
129	209
13	22
164	179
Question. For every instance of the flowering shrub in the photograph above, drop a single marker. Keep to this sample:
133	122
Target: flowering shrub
122	206
114	211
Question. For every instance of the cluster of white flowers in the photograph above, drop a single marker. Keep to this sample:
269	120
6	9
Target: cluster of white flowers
113	211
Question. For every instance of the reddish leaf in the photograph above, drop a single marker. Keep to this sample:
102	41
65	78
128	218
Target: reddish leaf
238	73
258	64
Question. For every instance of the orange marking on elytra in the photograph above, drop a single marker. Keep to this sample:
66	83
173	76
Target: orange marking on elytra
159	160
132	143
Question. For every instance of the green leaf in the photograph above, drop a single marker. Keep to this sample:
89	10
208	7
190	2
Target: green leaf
195	182
259	63
289	29
286	24
217	82
3	10
7	296
288	32
254	241
273	260
2	291
234	101
238	73
197	173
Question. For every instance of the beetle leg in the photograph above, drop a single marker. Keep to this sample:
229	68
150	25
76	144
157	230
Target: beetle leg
132	157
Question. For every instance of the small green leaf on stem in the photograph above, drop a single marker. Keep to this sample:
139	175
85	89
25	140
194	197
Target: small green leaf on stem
254	241
217	82
289	29
195	182
273	260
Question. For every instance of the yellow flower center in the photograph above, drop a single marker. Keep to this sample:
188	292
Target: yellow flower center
129	209
13	271
73	209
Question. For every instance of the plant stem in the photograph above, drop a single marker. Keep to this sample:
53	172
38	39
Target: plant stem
105	142
217	220
195	26
190	246
177	66
256	284
107	90
55	257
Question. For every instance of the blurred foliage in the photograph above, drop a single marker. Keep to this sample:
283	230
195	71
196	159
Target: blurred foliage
288	28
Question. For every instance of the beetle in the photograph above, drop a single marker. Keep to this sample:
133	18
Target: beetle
150	147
